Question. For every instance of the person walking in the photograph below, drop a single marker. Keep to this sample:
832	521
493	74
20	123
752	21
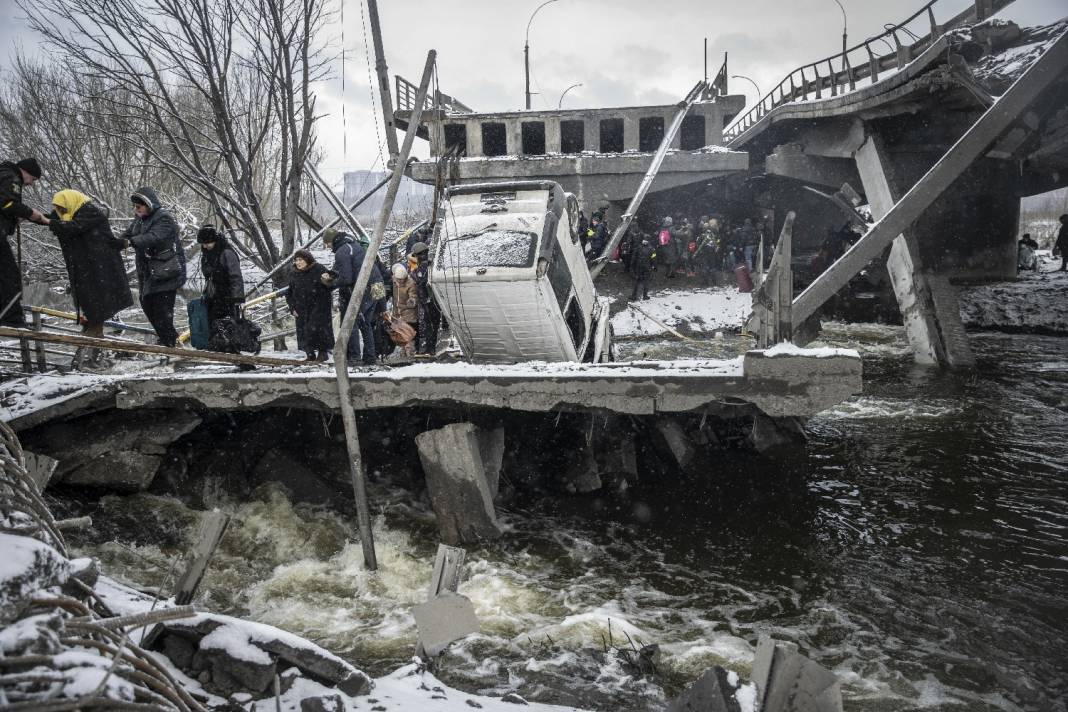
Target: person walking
13	178
309	300
406	303
348	257
1062	242
224	287
642	261
426	308
98	282
160	261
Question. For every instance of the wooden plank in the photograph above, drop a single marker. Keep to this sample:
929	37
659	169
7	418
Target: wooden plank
652	318
212	527
134	347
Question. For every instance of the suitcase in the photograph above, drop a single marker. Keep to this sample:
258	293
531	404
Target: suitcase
199	325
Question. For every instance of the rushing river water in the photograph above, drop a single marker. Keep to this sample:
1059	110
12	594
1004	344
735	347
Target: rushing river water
916	545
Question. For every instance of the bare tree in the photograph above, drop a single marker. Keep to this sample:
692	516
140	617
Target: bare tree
219	90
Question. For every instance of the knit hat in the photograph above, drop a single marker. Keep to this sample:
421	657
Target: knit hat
419	248
328	235
31	166
207	233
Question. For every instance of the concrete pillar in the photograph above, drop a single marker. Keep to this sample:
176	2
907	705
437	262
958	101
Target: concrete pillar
552	135
474	138
513	129
461	463
933	341
591	134
714	127
630	132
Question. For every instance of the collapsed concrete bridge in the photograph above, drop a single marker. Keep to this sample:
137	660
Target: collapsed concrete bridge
942	137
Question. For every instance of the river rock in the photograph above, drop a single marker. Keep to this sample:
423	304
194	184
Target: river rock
456	479
115	450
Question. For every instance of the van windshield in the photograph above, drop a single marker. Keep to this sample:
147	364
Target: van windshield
488	248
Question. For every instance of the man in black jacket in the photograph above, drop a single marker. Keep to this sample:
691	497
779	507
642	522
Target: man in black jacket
348	256
160	261
642	259
13	178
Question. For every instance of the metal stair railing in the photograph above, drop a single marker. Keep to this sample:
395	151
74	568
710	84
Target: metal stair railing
860	62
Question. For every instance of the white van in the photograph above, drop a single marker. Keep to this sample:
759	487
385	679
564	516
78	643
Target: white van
510	277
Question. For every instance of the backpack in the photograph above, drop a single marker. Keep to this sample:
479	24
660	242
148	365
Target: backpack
665	237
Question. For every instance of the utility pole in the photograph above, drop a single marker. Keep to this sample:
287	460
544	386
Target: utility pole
385	97
526	49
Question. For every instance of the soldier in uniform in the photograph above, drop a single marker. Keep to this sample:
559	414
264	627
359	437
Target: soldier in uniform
13	177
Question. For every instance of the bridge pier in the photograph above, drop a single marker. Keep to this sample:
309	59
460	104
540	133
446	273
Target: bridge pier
928	302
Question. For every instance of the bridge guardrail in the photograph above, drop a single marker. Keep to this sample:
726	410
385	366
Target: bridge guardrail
807	82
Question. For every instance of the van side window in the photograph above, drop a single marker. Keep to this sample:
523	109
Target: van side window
575	324
560	278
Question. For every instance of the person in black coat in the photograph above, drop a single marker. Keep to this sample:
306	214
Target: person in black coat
310	301
13	177
224	287
97	275
160	261
642	260
348	257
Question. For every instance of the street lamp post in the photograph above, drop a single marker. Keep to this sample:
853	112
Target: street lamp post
742	76
526	49
845	33
560	103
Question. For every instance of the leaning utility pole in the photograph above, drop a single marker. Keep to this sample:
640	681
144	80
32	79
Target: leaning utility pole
385	97
341	364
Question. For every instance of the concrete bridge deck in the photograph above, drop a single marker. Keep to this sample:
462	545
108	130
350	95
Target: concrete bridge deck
781	382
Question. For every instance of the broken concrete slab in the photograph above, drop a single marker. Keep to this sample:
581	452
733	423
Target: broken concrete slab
712	692
40	468
767	434
443	620
677	443
456	479
491	447
111	450
787	681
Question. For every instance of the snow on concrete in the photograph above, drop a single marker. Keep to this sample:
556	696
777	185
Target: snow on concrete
698	311
1033	302
788	349
28	565
23	396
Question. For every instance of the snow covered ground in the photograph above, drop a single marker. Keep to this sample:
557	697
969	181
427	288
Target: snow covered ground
702	310
1034	302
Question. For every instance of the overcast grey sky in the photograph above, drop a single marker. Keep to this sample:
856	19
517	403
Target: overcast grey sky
624	52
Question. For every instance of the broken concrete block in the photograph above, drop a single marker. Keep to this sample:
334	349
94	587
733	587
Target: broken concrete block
786	680
712	692
456	479
491	447
679	445
582	475
771	433
443	620
322	703
40	468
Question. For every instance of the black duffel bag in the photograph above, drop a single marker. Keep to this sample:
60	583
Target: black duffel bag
234	335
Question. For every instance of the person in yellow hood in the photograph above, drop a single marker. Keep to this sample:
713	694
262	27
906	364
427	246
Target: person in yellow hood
98	280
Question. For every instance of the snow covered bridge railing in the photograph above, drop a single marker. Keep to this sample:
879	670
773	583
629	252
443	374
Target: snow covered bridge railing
864	61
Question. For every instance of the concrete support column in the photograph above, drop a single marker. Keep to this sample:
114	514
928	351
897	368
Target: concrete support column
474	138
630	133
591	134
931	316
513	129
552	135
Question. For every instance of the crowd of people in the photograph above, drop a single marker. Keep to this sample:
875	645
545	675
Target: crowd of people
702	249
100	288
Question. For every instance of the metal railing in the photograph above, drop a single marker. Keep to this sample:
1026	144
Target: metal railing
406	92
861	62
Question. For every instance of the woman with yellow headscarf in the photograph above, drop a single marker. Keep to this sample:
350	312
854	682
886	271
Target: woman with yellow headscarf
98	280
